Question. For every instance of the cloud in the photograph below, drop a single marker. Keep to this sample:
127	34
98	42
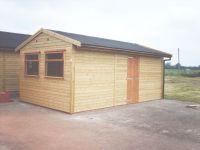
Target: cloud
164	25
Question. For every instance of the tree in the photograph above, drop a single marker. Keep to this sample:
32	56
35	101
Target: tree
178	66
168	65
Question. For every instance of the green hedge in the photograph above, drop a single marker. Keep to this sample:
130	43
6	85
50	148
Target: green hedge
182	72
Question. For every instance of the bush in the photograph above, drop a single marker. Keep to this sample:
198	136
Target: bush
194	74
182	72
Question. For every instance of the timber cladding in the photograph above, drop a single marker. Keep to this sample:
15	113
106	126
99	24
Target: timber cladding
101	79
150	79
9	61
9	74
1	72
92	78
49	92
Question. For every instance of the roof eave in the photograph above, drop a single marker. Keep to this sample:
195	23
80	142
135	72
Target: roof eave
7	49
128	50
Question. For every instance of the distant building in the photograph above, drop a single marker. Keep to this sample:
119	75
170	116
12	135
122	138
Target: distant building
9	60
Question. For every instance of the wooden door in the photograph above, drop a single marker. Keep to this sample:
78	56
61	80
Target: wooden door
133	80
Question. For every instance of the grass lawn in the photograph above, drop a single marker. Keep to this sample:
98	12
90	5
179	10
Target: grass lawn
182	88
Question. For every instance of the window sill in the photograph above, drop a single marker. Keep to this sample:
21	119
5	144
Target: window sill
32	76
51	77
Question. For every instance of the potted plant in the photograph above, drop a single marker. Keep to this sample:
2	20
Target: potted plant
4	95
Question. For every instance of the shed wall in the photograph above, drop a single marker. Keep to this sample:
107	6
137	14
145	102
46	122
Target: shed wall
9	71
48	92
151	78
100	80
120	79
1	71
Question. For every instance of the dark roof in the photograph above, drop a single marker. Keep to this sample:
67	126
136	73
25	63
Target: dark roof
113	44
9	41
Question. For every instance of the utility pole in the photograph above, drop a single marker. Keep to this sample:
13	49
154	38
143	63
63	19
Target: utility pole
179	65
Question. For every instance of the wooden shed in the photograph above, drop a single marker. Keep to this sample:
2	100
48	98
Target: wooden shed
73	73
9	60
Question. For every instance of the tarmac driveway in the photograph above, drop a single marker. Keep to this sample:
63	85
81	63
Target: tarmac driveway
155	125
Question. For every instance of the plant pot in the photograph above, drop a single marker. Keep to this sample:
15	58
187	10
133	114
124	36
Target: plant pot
5	97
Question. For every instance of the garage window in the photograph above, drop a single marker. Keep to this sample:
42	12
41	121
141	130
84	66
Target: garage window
32	64
54	64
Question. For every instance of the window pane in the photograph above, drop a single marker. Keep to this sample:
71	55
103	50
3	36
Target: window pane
32	57
32	68
55	69
54	56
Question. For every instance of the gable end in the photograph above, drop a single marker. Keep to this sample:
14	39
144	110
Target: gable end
50	33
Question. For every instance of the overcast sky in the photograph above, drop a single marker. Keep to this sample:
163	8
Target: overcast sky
162	24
